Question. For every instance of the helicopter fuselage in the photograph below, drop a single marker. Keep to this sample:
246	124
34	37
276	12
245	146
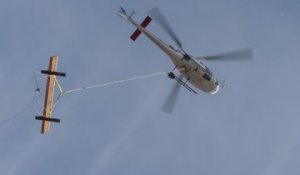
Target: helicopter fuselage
192	71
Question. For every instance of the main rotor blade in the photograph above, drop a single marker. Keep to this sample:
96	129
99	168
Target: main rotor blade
158	16
169	104
241	55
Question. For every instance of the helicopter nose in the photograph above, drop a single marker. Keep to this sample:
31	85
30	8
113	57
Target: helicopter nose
216	89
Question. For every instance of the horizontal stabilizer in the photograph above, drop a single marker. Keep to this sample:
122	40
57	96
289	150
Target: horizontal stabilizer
144	24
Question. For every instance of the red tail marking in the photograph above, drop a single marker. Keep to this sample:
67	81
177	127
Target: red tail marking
144	24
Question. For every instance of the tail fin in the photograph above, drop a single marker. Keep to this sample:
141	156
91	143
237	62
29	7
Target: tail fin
122	10
124	14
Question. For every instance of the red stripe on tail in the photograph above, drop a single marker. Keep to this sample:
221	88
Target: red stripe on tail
144	24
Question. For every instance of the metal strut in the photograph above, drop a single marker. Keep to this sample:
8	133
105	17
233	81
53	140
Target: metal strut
56	120
62	74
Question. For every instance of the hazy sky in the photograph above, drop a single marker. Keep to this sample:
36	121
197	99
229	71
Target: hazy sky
250	127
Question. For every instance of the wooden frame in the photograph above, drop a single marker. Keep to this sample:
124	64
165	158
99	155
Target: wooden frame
48	104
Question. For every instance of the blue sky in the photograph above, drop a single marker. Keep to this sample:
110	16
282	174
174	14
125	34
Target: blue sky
250	127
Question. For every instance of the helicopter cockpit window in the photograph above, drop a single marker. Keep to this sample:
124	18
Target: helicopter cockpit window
208	71
206	68
206	77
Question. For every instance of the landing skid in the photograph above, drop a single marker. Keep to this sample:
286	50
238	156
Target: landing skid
171	75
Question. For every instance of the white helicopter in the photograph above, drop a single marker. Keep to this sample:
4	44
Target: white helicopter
191	71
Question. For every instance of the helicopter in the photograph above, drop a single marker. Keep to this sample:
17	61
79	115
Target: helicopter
193	73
